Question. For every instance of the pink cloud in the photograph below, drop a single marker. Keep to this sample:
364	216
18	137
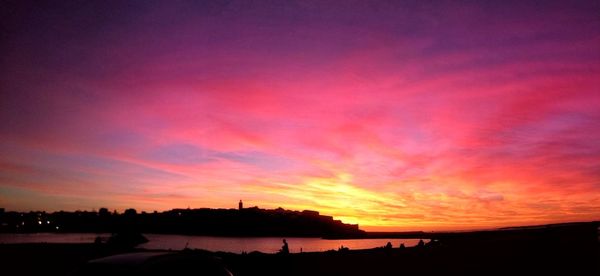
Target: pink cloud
468	118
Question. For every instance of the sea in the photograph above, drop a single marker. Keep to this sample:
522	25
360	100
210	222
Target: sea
224	244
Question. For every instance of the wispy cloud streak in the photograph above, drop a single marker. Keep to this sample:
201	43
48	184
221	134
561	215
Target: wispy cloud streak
391	115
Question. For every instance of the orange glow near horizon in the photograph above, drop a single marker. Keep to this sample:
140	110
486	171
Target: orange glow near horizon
395	116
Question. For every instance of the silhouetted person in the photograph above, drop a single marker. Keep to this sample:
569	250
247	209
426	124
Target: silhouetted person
402	246
388	245
421	243
284	249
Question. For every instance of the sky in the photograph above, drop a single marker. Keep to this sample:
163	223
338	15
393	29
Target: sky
396	115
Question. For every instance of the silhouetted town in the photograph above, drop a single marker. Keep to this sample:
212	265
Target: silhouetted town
251	221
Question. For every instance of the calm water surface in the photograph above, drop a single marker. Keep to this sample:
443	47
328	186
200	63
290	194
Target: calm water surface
227	244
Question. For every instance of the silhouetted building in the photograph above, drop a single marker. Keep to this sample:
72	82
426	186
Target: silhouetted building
130	212
251	221
103	212
311	213
240	205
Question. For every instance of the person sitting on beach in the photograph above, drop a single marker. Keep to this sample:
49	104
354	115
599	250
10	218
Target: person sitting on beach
284	249
402	246
421	243
388	245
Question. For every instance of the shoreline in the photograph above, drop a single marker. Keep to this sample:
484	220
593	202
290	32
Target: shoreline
371	235
564	250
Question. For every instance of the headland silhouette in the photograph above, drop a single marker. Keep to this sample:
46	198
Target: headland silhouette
556	249
241	222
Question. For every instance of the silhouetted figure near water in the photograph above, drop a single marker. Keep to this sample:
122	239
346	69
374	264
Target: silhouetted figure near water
284	249
421	243
402	246
388	245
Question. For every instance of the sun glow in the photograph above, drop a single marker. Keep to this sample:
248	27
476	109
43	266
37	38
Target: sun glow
406	121
338	196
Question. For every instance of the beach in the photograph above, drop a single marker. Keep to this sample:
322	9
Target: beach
570	250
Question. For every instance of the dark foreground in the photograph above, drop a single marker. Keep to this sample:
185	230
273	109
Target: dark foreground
558	250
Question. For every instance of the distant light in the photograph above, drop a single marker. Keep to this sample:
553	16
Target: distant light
22	223
47	222
56	227
39	222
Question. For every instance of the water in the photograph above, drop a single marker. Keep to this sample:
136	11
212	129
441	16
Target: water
50	238
267	245
226	244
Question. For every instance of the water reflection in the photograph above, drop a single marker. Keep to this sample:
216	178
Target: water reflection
226	244
267	245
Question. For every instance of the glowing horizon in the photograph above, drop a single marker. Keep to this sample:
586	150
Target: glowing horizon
406	116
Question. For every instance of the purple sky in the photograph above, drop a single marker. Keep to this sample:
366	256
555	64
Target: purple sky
411	115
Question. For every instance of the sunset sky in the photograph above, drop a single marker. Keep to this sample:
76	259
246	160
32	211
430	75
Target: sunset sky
394	115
